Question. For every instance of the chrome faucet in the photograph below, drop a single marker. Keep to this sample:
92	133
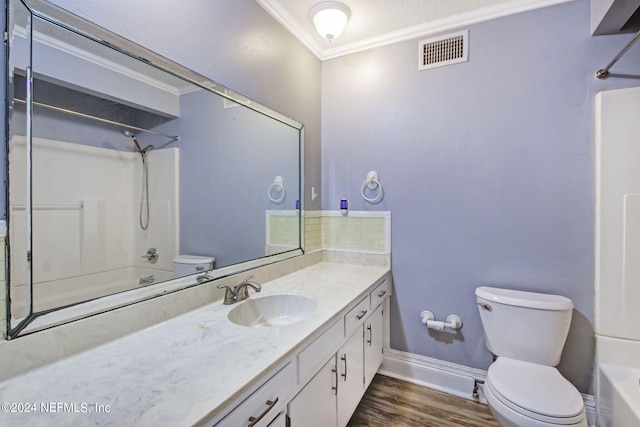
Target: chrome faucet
240	291
146	280
204	278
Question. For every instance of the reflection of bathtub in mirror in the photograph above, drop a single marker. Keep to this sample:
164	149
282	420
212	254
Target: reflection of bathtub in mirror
82	229
44	320
59	293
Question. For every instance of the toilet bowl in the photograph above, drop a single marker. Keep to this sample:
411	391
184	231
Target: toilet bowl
524	394
527	332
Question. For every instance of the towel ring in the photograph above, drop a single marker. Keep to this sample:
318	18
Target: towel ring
276	187
372	183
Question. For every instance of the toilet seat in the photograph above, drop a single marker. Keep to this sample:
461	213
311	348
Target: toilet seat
537	391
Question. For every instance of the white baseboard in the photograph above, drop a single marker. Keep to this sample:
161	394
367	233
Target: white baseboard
437	374
590	408
451	378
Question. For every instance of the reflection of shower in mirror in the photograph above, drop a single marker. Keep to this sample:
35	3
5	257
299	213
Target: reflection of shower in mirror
144	197
137	144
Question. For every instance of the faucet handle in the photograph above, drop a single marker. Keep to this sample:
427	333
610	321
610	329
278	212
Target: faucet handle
241	290
229	294
251	283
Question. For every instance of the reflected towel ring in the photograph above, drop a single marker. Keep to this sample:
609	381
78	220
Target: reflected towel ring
372	183
276	187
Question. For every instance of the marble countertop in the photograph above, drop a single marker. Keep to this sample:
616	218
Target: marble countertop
183	370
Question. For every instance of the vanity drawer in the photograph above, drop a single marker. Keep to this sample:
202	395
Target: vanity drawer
318	351
379	293
268	401
355	317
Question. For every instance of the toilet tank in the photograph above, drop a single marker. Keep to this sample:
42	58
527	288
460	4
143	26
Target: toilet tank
184	265
526	326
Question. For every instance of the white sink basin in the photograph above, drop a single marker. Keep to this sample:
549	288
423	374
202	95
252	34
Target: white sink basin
272	310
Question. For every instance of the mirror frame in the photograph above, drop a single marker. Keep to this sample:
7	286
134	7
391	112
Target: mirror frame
37	321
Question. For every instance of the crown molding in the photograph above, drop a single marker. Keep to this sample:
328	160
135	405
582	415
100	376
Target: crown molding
276	10
426	29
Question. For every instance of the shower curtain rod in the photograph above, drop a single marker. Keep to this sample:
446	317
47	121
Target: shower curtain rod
604	72
99	119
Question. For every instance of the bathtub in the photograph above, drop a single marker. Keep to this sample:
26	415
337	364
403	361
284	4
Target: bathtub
619	389
58	293
618	382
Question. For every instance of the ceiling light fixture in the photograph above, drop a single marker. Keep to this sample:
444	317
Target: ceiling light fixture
330	18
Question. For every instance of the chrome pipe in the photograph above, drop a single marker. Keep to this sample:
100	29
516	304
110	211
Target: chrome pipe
603	73
99	119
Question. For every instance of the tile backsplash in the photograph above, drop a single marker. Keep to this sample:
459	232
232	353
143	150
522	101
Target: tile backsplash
282	231
312	231
359	231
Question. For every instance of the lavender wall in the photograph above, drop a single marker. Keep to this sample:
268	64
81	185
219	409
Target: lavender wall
224	177
487	167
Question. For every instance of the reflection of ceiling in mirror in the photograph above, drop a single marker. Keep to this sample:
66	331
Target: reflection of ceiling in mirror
87	49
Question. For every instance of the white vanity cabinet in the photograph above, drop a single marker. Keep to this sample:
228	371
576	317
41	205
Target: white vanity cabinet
312	372
334	392
373	343
351	376
315	405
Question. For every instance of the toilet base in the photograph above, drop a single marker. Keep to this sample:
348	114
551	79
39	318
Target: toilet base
507	417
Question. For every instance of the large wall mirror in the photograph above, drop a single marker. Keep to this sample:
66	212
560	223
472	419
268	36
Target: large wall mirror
127	172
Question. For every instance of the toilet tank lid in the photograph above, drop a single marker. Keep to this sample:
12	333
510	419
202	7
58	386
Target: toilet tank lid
193	259
524	298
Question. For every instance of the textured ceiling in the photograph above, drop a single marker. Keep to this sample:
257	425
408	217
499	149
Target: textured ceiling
377	22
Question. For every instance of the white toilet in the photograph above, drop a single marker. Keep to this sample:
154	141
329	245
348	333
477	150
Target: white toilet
184	265
527	332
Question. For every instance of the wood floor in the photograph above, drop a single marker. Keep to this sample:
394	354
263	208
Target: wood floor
393	403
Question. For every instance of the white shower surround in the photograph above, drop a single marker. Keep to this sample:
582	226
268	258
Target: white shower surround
617	263
86	209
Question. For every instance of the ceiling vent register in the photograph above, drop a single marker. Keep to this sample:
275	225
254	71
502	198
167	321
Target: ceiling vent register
443	50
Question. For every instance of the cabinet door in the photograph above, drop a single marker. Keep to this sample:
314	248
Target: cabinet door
373	339
280	421
351	379
315	405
